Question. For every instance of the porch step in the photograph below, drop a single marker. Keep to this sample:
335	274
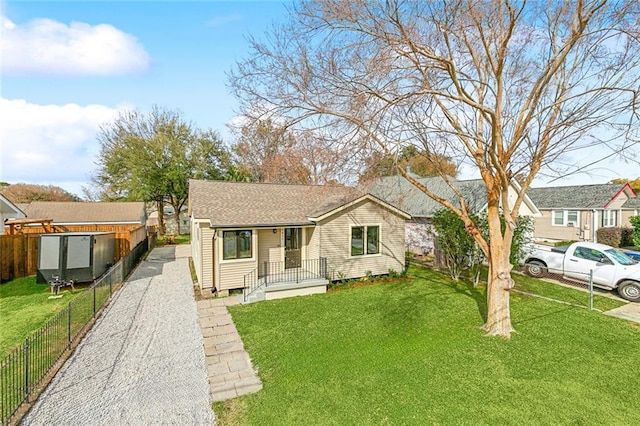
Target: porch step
289	289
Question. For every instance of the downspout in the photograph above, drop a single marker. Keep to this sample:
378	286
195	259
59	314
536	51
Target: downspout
594	237
216	270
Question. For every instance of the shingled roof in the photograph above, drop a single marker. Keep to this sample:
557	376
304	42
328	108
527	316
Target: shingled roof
228	204
402	194
580	197
87	212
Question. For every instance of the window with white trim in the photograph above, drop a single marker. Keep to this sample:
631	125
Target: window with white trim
609	218
565	218
365	240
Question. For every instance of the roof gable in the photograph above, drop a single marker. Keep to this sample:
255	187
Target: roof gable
87	212
366	197
8	209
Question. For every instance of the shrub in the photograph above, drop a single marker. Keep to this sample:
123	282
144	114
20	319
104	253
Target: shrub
627	237
610	236
635	221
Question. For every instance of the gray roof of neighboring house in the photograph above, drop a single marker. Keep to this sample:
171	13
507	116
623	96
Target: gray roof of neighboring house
633	203
228	204
402	194
578	196
87	212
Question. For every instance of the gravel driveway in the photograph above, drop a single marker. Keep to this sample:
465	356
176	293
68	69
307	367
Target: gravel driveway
143	362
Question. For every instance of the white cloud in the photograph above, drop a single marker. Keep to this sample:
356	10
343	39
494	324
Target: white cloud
50	144
45	46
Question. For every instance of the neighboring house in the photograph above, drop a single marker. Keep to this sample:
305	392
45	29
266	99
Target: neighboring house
170	221
577	212
402	194
81	216
276	241
8	210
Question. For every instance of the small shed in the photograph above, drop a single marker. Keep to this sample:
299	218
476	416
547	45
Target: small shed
77	256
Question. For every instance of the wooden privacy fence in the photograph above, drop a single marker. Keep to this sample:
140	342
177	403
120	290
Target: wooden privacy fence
19	253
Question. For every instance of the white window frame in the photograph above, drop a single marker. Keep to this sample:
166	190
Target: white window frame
364	240
609	219
565	217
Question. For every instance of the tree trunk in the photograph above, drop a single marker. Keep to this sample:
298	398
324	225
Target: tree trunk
160	208
499	281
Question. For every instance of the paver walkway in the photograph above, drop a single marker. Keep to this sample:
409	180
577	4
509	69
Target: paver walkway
228	364
143	362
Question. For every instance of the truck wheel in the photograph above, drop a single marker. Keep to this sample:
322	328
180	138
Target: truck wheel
535	268
629	290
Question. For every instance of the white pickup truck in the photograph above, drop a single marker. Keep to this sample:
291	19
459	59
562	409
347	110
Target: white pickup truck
612	269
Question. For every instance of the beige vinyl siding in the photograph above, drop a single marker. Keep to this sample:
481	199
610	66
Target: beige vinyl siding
196	248
617	202
312	243
626	214
206	243
231	273
335	240
544	228
269	246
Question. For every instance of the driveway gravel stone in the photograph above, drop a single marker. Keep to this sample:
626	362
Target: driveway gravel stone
142	363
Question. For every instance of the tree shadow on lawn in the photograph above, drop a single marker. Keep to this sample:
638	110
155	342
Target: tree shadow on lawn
406	302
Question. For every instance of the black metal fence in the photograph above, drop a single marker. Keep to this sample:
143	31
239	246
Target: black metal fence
24	370
276	272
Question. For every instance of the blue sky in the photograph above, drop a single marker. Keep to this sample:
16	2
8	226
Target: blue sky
68	67
173	54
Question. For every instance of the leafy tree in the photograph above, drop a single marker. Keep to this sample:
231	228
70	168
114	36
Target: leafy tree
507	88
26	193
635	184
151	157
635	221
420	163
461	251
453	242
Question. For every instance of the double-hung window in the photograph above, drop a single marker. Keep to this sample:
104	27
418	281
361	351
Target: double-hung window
609	218
365	240
565	218
236	245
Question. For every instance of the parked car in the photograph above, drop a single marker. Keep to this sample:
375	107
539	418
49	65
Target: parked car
612	269
635	255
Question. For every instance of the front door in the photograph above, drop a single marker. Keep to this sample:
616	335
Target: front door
292	246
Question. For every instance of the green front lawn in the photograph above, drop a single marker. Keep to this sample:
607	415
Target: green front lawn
412	353
25	307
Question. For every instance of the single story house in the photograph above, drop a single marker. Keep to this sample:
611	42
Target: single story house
577	212
272	240
402	194
8	210
69	216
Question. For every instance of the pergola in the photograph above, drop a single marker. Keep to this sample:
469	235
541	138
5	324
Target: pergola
15	225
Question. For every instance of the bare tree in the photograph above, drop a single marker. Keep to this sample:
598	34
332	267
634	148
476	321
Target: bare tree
507	87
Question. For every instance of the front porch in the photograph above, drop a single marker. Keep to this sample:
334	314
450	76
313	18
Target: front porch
277	280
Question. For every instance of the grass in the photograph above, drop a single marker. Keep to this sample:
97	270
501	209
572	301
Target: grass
173	239
412	352
25	307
